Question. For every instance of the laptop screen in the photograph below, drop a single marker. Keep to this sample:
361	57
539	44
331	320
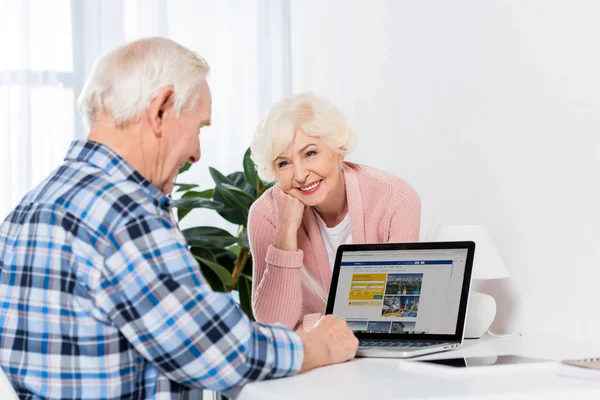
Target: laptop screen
400	291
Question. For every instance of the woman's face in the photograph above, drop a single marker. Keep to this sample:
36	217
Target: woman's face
309	169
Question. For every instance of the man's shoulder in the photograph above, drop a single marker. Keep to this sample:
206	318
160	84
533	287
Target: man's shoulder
93	197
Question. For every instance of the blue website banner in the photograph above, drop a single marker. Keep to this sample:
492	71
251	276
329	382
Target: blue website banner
414	263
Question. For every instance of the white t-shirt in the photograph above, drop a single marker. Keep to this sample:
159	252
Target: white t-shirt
335	236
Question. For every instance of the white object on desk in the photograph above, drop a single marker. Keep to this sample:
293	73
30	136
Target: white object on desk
483	365
487	265
372	378
6	389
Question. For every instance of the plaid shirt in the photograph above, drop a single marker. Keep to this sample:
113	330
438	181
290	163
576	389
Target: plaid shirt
101	298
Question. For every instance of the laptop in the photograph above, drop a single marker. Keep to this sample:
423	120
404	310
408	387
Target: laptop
403	299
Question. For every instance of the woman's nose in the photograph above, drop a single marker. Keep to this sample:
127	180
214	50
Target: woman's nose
300	173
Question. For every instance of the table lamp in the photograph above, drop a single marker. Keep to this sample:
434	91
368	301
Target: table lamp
487	264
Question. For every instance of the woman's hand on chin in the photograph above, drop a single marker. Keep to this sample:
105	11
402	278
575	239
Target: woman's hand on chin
289	211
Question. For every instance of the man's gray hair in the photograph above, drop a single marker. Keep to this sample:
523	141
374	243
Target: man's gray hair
124	82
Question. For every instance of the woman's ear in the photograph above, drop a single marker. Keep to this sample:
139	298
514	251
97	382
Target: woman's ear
159	107
341	156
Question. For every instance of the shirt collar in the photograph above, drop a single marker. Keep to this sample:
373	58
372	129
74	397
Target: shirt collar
103	157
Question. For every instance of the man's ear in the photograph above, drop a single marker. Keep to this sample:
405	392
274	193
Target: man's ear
159	106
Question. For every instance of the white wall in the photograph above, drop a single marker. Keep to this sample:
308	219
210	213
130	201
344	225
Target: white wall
491	109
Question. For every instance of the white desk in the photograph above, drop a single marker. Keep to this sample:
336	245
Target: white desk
374	379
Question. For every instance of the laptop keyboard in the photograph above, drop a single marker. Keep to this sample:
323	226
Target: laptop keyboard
394	344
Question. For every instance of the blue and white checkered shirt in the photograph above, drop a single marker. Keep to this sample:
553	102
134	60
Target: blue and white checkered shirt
101	298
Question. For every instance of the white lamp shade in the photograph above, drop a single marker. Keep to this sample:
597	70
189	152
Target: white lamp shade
487	263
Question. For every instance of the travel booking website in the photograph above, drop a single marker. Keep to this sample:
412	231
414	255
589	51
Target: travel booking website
401	291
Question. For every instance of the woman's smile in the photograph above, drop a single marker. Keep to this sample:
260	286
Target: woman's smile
311	187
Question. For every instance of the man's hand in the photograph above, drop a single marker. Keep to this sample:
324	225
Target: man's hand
289	212
330	342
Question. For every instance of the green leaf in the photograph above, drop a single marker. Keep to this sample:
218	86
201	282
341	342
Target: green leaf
206	194
248	267
221	272
208	237
190	203
262	187
185	168
235	249
244	239
233	200
181	213
235	197
182	187
244	286
249	198
250	170
211	277
219	177
225	258
229	213
239	179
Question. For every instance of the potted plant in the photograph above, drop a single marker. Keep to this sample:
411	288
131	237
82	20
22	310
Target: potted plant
225	260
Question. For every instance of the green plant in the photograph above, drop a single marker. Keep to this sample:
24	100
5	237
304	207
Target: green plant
225	259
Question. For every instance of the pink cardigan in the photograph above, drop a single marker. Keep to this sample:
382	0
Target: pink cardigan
292	287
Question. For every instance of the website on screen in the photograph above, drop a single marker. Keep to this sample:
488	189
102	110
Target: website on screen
401	291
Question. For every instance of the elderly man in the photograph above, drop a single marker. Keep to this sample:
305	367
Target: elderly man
100	296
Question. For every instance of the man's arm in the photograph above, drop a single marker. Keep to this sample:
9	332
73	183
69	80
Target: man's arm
153	291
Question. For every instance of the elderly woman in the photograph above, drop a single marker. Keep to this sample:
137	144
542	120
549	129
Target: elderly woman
319	202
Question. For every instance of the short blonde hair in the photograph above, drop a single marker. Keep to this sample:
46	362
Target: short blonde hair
315	115
125	81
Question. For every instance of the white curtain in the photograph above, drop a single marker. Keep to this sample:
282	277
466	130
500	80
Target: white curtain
48	48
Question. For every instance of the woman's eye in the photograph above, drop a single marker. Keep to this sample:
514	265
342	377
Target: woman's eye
282	164
310	153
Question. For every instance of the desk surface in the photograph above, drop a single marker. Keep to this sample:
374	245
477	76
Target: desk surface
371	379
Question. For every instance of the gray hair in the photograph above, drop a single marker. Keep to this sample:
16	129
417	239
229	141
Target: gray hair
126	80
314	114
